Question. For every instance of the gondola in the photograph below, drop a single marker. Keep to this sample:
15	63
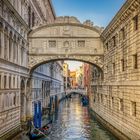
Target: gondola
35	134
40	133
85	101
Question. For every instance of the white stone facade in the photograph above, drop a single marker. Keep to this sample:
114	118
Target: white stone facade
47	81
17	17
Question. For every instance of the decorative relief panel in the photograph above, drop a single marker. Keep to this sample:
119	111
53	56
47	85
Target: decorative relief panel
67	30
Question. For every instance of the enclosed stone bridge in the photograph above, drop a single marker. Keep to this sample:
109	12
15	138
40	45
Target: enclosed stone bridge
66	39
76	91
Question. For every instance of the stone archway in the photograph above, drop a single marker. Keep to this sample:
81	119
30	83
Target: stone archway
67	38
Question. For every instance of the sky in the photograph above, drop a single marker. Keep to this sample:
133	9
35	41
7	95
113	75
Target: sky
99	11
73	65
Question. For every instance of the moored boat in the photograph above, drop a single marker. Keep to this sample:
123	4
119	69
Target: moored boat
35	134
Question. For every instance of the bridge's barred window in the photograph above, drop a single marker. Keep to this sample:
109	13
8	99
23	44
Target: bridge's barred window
81	43
135	23
52	44
135	61
133	108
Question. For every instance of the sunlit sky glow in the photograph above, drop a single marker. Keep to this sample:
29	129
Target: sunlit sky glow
100	12
73	65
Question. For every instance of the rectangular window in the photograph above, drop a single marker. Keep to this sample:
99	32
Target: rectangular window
121	105
135	23
113	68
106	69
81	43
133	108
5	82
52	44
114	41
122	64
123	34
135	61
101	98
106	46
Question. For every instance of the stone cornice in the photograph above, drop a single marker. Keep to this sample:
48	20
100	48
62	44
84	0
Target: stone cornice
128	83
123	14
64	37
35	29
69	54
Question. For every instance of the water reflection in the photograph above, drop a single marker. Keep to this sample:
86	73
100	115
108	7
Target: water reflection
73	122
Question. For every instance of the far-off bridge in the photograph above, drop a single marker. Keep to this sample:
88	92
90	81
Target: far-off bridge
76	91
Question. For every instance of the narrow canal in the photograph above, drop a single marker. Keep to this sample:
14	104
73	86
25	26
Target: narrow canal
73	122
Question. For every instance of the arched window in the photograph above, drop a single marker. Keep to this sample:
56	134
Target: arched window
9	82
6	100
1	38
10	45
13	82
29	16
14	100
33	19
5	43
14	48
0	81
10	99
5	81
22	53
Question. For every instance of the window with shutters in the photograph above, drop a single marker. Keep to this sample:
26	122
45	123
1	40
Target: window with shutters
135	23
81	43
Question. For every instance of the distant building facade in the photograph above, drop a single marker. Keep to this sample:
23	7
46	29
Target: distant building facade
66	73
73	79
80	77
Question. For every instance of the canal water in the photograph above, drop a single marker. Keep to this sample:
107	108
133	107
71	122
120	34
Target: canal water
73	122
